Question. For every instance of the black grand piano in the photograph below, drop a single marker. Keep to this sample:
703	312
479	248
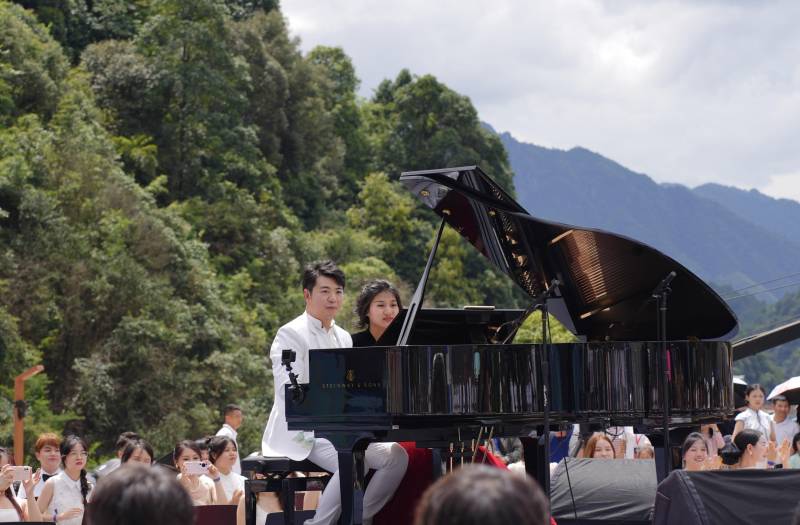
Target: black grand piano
444	378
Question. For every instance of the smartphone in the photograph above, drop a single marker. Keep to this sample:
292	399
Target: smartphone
22	473
195	468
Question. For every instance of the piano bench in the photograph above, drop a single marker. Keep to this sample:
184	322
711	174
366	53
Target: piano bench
277	472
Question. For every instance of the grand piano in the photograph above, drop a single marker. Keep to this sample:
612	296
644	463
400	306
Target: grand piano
449	378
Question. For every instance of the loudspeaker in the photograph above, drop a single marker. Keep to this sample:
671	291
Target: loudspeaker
728	496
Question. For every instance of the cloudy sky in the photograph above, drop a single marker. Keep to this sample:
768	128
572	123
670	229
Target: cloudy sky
684	91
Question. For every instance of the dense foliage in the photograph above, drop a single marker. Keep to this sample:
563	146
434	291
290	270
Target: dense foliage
166	169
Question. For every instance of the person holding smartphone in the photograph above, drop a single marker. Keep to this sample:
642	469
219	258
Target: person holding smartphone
13	509
200	478
47	450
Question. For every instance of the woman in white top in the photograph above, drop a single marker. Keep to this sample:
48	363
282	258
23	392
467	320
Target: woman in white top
753	417
223	454
11	508
204	490
65	495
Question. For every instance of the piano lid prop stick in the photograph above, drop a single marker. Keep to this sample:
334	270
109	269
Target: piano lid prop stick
452	449
488	445
480	435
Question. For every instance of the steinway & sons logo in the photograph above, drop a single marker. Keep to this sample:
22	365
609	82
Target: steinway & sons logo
350	382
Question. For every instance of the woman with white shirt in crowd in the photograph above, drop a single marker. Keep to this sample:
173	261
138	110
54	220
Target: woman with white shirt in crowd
223	454
65	495
753	417
12	509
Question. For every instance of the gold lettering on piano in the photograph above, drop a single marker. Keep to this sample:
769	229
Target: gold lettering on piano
361	384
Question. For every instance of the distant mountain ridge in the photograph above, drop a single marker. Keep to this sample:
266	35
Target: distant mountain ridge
725	235
780	216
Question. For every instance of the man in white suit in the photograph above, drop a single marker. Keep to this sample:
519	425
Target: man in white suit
323	290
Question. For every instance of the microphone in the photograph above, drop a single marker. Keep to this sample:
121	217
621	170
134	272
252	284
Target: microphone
548	293
663	286
297	390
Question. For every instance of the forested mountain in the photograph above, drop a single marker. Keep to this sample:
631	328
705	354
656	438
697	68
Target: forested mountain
168	166
779	216
722	243
166	169
730	237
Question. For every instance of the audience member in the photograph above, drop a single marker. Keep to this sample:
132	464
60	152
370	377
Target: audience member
138	451
119	447
376	307
752	416
645	452
713	438
47	450
785	427
64	496
13	509
747	450
794	459
204	490
694	452
599	446
233	417
223	454
476	495
137	495
202	445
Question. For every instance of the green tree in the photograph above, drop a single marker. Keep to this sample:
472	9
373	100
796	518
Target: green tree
32	66
418	123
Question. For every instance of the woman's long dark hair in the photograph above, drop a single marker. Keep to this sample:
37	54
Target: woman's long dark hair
184	445
132	447
67	445
732	453
10	493
217	446
690	440
368	293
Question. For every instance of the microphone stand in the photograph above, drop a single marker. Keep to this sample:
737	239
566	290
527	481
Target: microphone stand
541	303
661	294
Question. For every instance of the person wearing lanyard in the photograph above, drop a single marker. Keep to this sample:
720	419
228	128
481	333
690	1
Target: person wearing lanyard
323	290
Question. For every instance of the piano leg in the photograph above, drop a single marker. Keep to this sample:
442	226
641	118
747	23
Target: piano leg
537	464
351	478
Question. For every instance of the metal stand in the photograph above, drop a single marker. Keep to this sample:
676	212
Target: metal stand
546	392
661	294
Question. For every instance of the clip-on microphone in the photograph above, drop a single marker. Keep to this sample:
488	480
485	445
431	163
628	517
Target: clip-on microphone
298	391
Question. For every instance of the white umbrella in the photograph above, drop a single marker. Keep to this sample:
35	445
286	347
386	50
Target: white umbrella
789	388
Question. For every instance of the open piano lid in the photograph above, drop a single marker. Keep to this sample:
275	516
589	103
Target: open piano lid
606	279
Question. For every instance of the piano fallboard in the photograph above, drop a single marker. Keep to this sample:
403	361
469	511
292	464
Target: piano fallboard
427	386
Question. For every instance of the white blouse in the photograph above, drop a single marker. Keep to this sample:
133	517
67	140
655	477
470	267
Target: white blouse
9	516
66	495
756	420
231	482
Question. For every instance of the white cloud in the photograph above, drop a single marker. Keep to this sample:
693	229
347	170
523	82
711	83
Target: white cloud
685	91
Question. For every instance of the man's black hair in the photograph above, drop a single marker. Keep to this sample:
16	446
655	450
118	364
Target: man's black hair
140	495
124	439
322	268
229	409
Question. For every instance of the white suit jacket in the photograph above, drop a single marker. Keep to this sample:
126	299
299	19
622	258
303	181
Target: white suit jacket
301	334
